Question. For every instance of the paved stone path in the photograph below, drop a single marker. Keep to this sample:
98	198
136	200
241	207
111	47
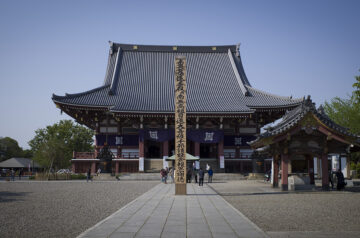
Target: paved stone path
159	213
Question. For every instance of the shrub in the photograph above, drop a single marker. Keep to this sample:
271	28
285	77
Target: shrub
352	166
358	170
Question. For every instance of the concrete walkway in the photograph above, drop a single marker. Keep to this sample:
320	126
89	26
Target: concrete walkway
159	213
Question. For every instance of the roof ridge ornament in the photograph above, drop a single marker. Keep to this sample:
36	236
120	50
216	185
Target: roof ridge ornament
238	50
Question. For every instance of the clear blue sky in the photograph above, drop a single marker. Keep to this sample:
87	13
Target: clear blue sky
287	47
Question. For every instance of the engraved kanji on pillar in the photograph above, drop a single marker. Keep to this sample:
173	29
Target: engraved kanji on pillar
180	125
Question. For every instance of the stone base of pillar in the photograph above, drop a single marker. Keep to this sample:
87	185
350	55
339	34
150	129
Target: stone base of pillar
284	187
180	189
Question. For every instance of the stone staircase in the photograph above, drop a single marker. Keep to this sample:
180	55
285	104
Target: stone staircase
104	177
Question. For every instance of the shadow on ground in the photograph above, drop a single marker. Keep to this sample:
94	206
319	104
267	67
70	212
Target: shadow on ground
12	196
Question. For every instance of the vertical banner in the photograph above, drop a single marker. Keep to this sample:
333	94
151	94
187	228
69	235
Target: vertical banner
222	162
141	164
180	125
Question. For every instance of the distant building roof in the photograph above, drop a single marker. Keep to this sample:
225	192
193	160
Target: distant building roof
293	119
140	78
19	163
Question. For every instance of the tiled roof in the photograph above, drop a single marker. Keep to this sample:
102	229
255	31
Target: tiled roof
141	79
19	163
293	117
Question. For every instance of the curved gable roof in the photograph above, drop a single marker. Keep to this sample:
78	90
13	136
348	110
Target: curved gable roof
141	79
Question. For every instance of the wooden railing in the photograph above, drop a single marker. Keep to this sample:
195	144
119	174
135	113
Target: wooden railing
84	155
129	155
92	155
231	155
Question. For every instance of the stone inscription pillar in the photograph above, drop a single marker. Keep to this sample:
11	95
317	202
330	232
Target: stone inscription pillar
284	172
180	125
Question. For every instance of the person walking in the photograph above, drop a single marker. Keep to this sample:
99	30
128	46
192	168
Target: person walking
166	174
188	176
201	177
162	175
88	175
331	179
210	173
171	172
195	172
20	173
340	180
98	172
12	173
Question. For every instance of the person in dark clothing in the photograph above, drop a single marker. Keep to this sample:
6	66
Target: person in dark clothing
340	180
88	175
188	176
331	180
210	173
201	177
195	172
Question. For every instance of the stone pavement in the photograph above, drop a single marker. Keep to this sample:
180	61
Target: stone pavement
159	213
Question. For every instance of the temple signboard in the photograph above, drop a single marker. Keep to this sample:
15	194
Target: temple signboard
180	125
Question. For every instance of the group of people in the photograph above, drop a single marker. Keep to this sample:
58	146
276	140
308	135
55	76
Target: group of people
13	174
337	178
194	173
164	173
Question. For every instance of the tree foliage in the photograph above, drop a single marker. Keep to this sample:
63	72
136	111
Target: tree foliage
346	112
356	85
10	148
53	146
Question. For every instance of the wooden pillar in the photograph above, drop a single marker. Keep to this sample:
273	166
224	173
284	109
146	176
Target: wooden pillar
347	175
93	167
275	173
117	167
221	154
284	172
325	172
197	149
241	166
310	161
73	167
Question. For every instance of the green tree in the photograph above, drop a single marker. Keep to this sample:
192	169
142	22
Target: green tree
9	148
53	146
356	85
346	112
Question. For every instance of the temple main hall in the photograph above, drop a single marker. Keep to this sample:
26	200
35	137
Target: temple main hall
132	112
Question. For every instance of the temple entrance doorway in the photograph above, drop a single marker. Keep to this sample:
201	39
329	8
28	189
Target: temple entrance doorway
153	149
208	150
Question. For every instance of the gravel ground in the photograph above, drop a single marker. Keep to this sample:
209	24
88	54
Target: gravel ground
273	211
61	209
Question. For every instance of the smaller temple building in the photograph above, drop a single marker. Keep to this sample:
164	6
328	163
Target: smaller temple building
303	134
